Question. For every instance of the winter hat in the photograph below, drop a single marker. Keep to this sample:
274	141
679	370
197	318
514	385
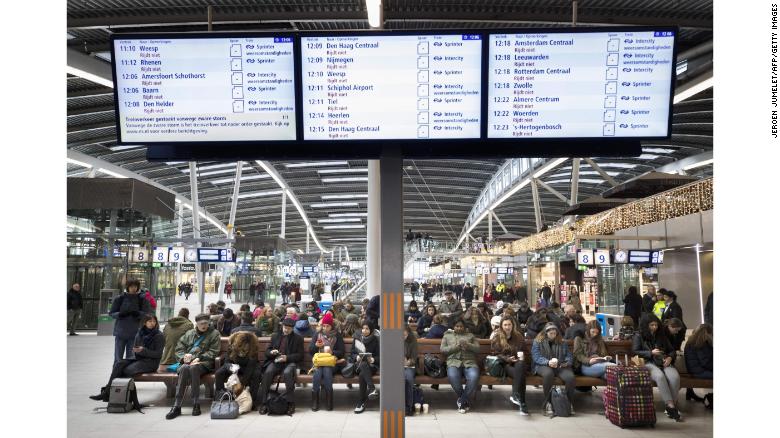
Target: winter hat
496	321
550	326
327	319
288	322
302	327
352	318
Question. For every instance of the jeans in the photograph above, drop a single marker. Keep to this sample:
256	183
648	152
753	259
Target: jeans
287	370
123	346
596	370
73	317
548	374
517	372
409	374
322	379
455	376
189	375
667	381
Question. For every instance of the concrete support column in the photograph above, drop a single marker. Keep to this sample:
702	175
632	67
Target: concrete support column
178	236
110	250
199	274
373	220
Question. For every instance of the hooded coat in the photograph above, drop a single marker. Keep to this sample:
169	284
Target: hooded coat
457	357
174	329
128	310
207	350
543	350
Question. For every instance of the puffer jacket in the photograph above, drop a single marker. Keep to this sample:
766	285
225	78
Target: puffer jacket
436	331
207	351
128	310
542	352
450	346
699	361
174	329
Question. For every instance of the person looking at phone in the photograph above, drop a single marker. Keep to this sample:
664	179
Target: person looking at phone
590	352
147	347
652	345
326	340
281	357
128	309
195	352
461	348
366	364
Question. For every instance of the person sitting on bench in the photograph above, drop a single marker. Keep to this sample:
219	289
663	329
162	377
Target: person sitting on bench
652	345
281	357
461	349
242	351
366	365
551	357
148	348
508	344
195	352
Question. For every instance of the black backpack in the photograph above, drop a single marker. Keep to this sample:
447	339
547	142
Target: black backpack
434	367
123	397
278	405
560	402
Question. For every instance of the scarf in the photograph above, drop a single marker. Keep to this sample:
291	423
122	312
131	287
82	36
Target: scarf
148	335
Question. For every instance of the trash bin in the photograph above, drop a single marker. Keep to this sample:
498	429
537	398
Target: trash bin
602	320
105	325
610	324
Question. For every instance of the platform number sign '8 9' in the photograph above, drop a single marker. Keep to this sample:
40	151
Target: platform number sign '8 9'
160	254
140	255
585	257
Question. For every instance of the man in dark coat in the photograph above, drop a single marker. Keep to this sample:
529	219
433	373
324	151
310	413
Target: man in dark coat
673	308
649	299
633	304
282	357
75	304
128	309
468	294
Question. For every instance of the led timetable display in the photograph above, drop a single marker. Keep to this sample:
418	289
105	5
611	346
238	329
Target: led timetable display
580	85
385	87
204	89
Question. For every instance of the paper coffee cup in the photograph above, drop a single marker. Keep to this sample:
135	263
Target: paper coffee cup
520	355
425	408
417	408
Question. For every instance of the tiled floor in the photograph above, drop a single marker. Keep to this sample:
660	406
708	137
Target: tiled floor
90	358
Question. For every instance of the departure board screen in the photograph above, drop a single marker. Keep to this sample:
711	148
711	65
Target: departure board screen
580	85
391	87
204	89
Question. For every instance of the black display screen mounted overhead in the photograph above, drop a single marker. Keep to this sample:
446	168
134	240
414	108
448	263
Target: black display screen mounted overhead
434	94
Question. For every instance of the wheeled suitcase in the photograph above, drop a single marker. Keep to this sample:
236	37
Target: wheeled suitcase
628	397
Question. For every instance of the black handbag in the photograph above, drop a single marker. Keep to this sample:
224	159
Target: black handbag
278	405
226	408
434	367
349	370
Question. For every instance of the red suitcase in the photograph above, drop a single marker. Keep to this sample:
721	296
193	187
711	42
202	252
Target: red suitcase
628	398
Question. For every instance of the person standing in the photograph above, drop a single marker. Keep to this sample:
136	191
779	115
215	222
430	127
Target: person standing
468	294
253	292
75	304
229	290
633	304
128	309
648	300
196	352
282	357
673	308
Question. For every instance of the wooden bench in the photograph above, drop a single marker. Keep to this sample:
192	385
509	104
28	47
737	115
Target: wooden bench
615	348
170	379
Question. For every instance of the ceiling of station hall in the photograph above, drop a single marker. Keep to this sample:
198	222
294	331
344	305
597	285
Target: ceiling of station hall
438	194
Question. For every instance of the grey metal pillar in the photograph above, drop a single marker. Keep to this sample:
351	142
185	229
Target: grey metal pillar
373	220
537	207
178	236
284	220
490	227
108	277
391	295
308	236
231	225
199	274
575	181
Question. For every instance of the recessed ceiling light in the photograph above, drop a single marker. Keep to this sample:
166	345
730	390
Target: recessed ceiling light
350	170
317	164
348	214
338	220
334	204
346	179
342	227
350	196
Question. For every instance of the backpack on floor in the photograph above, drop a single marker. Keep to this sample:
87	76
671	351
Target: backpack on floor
278	404
561	406
123	397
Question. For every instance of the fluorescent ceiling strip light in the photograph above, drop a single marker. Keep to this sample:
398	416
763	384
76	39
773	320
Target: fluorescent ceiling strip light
699	164
124	148
334	204
349	239
351	196
317	163
348	214
341	227
243	178
347	179
259	194
350	170
78	163
217	172
648	157
338	220
696	89
108	172
374	10
178	201
658	150
175	163
89	76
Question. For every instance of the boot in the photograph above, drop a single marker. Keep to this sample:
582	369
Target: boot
329	400
708	401
315	401
690	395
103	396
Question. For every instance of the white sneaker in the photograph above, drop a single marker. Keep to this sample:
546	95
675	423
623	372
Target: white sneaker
461	409
548	409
